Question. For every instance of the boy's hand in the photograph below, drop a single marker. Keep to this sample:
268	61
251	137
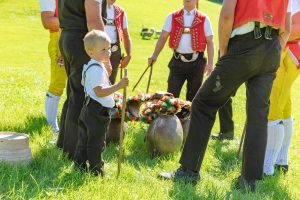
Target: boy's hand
124	82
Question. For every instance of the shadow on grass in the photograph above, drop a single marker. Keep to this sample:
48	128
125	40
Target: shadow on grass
32	124
49	173
227	157
136	152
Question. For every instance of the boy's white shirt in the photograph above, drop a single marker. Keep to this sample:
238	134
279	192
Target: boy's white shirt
97	76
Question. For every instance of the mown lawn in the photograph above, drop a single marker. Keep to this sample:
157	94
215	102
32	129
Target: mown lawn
24	78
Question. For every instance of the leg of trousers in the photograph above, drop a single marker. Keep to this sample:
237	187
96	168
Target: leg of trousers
181	71
93	124
115	61
72	49
225	117
254	61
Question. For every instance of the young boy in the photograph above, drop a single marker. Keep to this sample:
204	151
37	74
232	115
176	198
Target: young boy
94	117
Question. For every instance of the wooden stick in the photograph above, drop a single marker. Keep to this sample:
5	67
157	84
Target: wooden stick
140	78
242	141
122	127
150	75
121	72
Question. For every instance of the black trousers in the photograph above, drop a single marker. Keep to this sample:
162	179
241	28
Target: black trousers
249	60
191	72
225	117
93	123
72	49
115	61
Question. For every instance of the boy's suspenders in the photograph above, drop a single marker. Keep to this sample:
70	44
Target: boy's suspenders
87	97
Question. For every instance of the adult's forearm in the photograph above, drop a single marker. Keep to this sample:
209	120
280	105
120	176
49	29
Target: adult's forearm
210	53
224	31
160	44
127	43
93	15
295	32
49	21
96	24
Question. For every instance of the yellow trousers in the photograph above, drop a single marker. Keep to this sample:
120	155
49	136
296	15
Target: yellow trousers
280	99
58	75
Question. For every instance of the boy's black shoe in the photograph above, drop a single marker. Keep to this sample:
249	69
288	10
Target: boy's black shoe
222	136
283	168
181	174
242	184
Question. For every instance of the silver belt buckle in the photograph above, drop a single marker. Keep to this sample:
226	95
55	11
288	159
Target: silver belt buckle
110	22
194	57
114	48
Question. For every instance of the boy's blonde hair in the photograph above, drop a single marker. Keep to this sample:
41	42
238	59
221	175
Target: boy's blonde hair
94	37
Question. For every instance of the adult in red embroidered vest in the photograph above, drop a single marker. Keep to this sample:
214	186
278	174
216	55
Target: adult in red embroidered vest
49	16
190	33
249	53
116	26
280	125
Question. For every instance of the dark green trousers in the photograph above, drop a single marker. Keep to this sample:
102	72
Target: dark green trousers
225	117
251	61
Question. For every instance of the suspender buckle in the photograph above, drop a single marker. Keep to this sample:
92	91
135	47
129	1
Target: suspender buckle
257	32
87	100
268	33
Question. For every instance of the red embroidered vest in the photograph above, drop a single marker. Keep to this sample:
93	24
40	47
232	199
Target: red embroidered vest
269	12
198	38
119	17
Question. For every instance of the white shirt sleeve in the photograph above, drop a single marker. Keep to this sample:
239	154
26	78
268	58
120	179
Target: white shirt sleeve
208	31
99	1
48	5
96	76
289	8
125	22
168	24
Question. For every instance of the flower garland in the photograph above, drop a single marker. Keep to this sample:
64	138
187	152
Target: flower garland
154	105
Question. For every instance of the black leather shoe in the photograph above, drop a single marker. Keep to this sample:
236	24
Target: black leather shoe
181	174
283	168
242	184
223	136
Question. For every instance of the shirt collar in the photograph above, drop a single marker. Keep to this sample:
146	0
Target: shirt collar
192	11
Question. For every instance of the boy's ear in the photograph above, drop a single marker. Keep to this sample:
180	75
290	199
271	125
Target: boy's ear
89	52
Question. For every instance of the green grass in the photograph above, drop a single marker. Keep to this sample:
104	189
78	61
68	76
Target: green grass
24	72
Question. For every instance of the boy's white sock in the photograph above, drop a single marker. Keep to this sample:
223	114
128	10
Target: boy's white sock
51	106
282	158
274	142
